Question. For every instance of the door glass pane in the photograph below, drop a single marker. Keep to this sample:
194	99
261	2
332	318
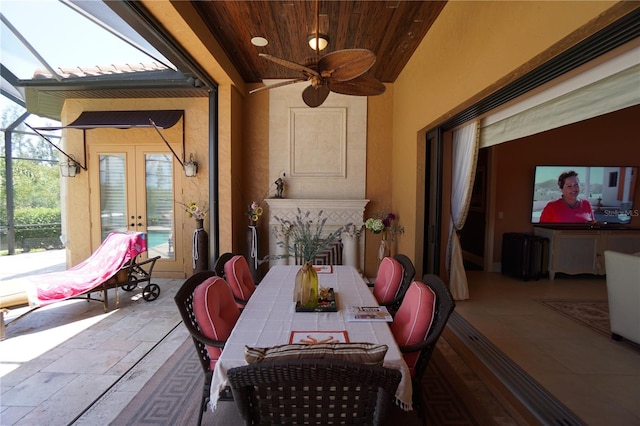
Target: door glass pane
113	193
159	189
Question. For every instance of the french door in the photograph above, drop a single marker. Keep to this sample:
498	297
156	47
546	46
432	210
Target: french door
132	189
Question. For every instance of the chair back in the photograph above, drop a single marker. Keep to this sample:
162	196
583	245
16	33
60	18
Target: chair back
420	321
413	320
408	273
209	313
238	275
218	268
313	391
387	281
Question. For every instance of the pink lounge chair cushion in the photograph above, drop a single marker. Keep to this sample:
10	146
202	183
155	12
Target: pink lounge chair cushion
215	311
388	280
114	252
239	277
414	318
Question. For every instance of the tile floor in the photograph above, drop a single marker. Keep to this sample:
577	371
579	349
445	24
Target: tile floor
71	363
57	361
594	376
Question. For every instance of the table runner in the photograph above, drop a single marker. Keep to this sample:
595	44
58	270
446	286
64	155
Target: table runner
269	318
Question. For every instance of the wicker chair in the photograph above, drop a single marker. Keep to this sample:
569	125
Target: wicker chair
238	276
313	392
218	268
418	325
210	336
408	272
387	282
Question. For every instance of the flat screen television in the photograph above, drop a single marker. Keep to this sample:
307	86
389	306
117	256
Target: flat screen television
609	190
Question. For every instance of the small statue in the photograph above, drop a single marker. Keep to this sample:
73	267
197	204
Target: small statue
279	188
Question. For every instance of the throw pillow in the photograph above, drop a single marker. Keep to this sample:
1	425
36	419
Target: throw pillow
365	353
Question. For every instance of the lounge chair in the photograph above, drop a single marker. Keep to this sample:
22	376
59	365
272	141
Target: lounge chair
112	265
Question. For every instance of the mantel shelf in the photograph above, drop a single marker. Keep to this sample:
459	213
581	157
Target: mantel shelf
337	212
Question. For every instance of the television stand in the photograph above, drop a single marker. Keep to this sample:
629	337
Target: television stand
580	249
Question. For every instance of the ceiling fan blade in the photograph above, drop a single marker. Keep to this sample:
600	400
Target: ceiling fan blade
314	96
361	86
347	64
291	65
279	84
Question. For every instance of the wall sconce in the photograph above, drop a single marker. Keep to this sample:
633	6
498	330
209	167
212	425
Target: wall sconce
323	41
190	167
69	168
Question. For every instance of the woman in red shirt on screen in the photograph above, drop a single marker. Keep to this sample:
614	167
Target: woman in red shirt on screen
568	209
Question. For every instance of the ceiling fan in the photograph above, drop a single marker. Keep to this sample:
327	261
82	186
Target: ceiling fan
341	71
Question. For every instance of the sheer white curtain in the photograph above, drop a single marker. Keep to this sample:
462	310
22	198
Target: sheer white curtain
465	156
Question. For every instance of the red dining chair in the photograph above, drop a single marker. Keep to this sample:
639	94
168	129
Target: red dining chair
218	267
418	324
408	272
209	312
387	282
238	275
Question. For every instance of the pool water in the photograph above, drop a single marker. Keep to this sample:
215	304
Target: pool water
157	237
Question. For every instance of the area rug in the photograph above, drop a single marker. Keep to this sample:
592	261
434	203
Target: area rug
590	313
172	397
593	314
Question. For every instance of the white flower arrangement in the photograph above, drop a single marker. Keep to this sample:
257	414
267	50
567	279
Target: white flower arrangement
384	222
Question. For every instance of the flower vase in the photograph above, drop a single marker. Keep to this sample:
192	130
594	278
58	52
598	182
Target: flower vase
307	286
200	247
384	249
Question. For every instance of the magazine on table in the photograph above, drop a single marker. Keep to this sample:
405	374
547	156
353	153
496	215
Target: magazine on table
368	313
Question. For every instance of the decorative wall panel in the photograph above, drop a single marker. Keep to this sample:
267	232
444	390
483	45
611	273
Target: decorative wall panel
318	142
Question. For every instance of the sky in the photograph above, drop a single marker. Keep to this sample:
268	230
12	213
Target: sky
62	36
544	173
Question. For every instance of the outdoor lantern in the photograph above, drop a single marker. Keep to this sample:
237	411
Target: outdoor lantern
69	168
191	167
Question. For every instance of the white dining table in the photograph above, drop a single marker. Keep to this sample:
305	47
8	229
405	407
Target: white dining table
270	316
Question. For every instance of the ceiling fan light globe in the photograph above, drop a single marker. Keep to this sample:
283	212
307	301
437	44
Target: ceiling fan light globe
322	40
259	41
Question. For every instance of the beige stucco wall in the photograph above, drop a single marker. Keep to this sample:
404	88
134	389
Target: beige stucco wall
77	222
255	159
224	180
471	47
380	152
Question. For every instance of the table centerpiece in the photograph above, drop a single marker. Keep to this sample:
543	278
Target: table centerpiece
307	239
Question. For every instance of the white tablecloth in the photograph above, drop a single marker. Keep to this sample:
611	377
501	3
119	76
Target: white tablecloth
270	316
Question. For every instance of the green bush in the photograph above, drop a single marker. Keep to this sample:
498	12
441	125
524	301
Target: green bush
38	222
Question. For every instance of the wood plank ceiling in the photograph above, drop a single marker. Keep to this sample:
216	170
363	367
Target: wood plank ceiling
392	30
